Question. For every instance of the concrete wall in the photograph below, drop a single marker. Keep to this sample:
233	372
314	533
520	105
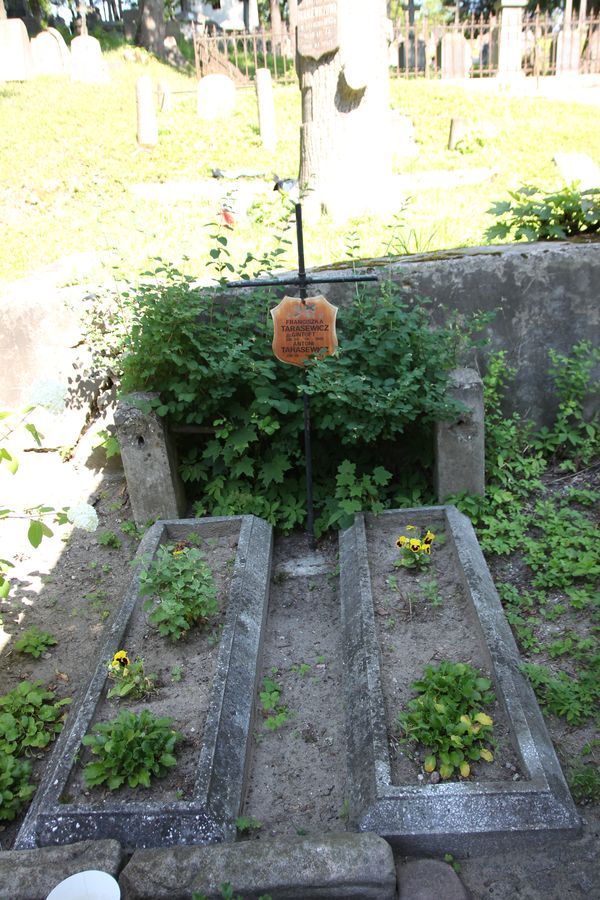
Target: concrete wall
544	295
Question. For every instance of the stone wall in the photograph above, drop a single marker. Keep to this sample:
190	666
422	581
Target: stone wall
543	295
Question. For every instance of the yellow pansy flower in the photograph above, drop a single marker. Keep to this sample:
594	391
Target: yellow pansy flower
415	545
401	541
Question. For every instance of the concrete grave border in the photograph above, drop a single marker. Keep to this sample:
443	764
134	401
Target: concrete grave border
463	817
221	774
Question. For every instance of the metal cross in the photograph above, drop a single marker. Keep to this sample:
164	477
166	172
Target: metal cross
301	281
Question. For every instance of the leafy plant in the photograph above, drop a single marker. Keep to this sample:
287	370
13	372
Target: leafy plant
215	371
29	719
133	748
246	824
129	677
415	552
182	590
447	718
275	713
109	539
536	215
34	642
15	788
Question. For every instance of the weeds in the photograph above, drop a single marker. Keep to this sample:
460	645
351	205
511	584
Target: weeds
35	642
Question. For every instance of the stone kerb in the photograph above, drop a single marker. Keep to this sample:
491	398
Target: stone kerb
464	817
221	770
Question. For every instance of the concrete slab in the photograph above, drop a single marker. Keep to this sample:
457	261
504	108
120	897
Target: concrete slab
458	818
221	774
342	866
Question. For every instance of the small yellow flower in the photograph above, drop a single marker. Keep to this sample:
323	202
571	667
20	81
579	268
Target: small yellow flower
401	541
411	527
426	549
415	545
120	660
429	538
485	754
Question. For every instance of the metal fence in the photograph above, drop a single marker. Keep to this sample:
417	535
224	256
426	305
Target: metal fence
469	49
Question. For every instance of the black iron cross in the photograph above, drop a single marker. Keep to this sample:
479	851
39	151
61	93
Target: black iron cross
301	281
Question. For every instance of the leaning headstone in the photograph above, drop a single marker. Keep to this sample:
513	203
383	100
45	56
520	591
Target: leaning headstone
65	53
47	58
454	56
16	59
87	62
459	445
266	108
578	168
147	127
216	97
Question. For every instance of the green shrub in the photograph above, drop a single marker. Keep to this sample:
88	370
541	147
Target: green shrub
15	788
34	642
536	215
447	718
181	589
131	748
209	359
29	719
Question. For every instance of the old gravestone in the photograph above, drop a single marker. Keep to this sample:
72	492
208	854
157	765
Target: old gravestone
87	63
48	57
454	56
345	163
16	60
216	97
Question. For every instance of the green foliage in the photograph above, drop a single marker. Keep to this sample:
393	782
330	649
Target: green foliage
209	360
576	699
447	718
181	590
29	718
109	539
34	642
132	749
130	679
107	440
537	215
247	824
15	788
275	713
584	778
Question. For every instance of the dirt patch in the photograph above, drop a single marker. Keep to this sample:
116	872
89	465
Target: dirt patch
183	672
427	611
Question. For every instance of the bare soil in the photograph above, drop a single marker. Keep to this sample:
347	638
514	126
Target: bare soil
70	587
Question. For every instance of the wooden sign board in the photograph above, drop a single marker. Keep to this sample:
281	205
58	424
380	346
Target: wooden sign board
318	28
303	329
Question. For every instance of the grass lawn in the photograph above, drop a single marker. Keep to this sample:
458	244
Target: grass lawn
70	164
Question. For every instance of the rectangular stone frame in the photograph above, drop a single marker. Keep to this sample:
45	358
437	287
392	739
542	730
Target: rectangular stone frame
221	774
462	817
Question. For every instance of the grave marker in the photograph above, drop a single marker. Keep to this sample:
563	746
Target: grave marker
318	28
16	61
299	354
303	329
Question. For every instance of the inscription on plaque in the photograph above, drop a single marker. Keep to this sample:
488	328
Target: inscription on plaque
318	27
303	329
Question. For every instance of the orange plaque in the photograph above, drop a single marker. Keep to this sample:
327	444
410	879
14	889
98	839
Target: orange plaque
303	329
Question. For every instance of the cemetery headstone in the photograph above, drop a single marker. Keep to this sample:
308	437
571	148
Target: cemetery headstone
165	96
16	59
87	63
62	46
47	56
578	168
509	50
568	50
266	108
216	97
147	126
412	54
454	56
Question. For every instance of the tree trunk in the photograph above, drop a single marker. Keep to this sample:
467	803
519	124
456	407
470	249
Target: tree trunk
345	158
276	26
151	28
293	22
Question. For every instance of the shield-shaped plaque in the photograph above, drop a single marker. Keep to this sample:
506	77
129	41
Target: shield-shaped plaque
303	329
